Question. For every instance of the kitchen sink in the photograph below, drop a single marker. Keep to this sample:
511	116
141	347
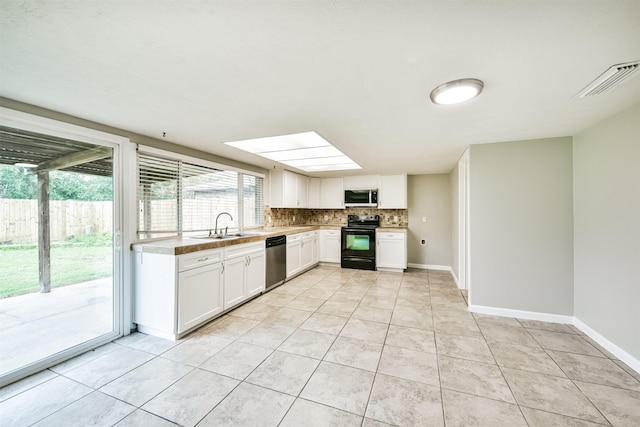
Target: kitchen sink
224	236
219	237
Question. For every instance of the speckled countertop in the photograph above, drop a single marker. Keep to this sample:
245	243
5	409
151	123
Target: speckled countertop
186	245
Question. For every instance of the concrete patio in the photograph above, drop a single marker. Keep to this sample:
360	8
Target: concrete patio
36	325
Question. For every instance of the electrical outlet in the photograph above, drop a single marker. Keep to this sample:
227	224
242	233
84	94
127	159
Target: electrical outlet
269	219
326	217
423	242
395	218
424	219
294	218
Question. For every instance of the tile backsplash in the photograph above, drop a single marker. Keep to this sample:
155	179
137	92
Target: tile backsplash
283	217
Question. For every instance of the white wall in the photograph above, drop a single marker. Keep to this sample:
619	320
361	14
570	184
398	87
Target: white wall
606	161
521	226
429	196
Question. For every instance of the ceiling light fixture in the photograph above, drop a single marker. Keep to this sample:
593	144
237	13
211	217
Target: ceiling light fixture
306	151
456	91
26	165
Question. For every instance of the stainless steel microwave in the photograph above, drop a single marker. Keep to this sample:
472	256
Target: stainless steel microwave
361	198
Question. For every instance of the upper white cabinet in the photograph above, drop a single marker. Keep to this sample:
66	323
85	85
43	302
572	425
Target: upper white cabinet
326	193
332	193
314	193
392	192
288	189
361	182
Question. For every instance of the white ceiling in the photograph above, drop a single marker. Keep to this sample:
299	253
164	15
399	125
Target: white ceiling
357	72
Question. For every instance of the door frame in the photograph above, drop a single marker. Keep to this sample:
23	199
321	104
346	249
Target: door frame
122	225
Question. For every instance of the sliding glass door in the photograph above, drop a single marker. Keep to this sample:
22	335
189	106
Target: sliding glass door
60	292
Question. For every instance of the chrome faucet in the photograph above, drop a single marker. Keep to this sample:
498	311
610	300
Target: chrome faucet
215	230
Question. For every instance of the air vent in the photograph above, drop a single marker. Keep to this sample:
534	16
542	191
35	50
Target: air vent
610	79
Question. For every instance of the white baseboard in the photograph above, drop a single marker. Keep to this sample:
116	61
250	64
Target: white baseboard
430	267
608	345
558	318
521	314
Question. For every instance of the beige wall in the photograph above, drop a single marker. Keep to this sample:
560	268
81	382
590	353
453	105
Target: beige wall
521	225
607	229
429	196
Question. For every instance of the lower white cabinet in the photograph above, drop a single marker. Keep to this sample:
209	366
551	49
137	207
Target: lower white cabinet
199	295
175	294
391	251
244	272
294	262
329	246
302	252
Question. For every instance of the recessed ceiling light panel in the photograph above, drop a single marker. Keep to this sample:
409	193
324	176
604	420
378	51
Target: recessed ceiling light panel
306	151
456	91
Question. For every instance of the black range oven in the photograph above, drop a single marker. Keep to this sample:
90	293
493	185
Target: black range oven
359	242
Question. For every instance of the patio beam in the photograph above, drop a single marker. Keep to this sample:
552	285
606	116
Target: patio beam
44	232
74	159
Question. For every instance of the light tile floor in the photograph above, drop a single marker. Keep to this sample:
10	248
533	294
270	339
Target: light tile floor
340	348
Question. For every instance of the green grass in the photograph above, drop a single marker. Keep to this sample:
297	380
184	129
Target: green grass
76	261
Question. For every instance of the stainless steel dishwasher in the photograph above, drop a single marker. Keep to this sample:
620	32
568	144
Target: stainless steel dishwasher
276	261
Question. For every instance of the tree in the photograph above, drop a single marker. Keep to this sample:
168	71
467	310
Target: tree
16	184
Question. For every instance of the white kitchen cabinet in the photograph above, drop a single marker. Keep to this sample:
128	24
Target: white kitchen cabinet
306	250
392	192
361	182
326	193
199	295
314	193
288	189
315	258
176	293
294	264
302	252
329	246
332	193
244	272
391	251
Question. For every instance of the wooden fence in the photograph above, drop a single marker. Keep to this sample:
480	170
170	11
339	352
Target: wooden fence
19	219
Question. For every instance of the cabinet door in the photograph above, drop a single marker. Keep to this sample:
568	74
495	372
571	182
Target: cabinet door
255	276
315	202
234	292
302	189
332	193
293	257
199	295
391	252
316	248
330	246
393	192
306	251
290	189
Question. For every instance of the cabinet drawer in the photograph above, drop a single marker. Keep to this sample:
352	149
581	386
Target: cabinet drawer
243	249
199	259
390	235
294	237
326	233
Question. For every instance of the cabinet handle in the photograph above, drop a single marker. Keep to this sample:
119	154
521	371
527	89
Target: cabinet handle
203	259
222	272
248	260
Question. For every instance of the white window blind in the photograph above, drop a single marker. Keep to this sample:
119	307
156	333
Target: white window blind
177	197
